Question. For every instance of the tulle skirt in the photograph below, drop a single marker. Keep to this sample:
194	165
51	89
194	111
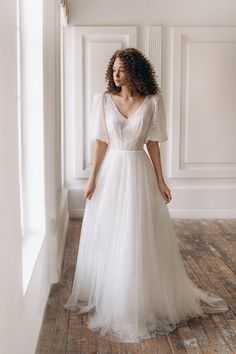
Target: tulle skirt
129	275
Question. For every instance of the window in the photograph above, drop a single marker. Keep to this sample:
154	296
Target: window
31	131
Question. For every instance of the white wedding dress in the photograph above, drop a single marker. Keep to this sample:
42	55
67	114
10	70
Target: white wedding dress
129	275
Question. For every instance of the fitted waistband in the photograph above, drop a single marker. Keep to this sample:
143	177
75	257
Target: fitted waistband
119	150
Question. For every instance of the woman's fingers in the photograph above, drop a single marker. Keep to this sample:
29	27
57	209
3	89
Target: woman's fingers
167	195
88	194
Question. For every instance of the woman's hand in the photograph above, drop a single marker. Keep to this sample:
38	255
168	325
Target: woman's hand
98	155
89	188
164	191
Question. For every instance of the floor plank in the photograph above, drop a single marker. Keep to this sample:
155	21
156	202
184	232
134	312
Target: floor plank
208	251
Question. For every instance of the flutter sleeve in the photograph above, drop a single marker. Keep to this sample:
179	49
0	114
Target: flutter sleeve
157	130
97	119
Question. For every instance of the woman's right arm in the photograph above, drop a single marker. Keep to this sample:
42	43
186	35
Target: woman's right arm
98	155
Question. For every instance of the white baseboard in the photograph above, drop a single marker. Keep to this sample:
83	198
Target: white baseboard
203	214
77	213
58	234
182	214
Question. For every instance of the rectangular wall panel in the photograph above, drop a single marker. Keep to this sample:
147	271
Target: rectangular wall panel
93	47
204	104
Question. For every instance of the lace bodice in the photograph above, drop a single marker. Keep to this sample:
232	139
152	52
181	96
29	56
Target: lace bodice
109	125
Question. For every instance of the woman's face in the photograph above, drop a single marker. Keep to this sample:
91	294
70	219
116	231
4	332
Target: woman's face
119	74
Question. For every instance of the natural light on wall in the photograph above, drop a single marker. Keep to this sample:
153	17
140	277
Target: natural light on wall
31	128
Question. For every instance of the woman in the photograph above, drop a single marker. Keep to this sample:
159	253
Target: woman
129	273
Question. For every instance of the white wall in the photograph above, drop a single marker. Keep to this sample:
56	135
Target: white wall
201	176
21	316
153	12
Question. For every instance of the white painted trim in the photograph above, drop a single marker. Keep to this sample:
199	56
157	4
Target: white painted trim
182	214
181	36
57	237
83	37
152	47
203	214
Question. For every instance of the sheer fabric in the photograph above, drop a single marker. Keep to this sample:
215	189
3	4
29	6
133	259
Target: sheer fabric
97	121
151	114
129	275
157	130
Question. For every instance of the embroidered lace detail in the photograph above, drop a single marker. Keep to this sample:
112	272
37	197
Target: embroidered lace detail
109	125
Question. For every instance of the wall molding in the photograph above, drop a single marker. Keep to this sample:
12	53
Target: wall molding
185	160
152	47
92	45
182	214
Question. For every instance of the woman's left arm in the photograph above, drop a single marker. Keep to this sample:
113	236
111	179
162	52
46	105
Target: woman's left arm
154	152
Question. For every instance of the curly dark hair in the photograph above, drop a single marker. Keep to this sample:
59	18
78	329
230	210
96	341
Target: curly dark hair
140	72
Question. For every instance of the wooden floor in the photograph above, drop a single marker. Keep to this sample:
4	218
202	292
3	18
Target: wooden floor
208	248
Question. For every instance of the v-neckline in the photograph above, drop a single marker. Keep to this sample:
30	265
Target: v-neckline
127	118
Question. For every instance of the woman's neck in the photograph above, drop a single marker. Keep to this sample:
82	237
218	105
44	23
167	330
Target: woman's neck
128	92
